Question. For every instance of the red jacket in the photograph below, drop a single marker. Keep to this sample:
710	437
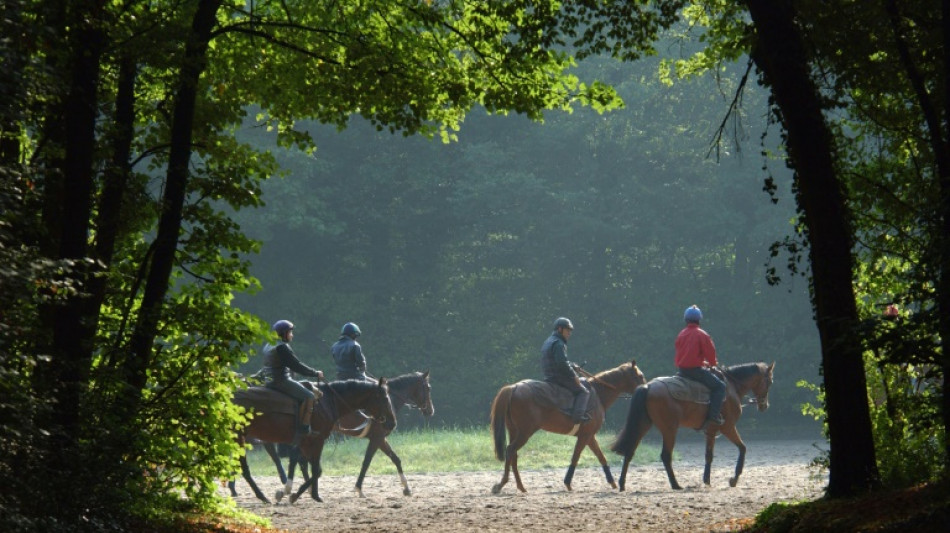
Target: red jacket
694	348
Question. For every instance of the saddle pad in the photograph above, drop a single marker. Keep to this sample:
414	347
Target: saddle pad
549	394
264	400
685	389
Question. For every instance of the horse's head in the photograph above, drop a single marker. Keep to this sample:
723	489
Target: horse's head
625	378
759	385
421	395
381	407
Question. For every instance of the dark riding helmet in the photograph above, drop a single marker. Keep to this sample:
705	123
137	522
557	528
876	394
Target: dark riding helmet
351	330
563	323
282	327
693	314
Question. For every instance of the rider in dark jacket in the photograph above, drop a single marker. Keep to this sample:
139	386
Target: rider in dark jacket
557	369
348	354
279	363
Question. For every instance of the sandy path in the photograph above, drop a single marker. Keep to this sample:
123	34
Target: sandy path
462	502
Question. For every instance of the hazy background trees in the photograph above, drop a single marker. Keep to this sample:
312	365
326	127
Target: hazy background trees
457	258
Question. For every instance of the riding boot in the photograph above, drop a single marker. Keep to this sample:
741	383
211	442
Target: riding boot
578	414
303	423
713	417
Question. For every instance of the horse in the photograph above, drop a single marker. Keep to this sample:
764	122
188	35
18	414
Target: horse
411	390
515	408
653	404
340	398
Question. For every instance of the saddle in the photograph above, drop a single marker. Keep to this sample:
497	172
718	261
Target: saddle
551	395
684	389
266	400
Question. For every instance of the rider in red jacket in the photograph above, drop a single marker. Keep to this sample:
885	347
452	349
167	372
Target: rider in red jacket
695	354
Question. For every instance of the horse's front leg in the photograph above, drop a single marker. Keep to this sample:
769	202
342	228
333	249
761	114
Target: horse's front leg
579	446
246	472
733	435
315	471
367	459
595	447
388	450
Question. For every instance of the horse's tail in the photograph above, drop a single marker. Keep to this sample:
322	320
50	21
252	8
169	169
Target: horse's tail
499	412
627	437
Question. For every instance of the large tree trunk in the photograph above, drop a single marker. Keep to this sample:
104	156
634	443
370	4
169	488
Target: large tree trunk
173	200
780	54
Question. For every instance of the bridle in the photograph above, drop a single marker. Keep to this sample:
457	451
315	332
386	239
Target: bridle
410	402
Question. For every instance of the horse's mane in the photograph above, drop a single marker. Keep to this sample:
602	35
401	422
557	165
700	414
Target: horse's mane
346	386
743	371
613	370
403	380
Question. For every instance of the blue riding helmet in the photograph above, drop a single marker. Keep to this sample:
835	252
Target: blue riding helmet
563	323
282	327
693	314
351	330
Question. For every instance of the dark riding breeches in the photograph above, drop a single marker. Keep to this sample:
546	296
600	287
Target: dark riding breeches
581	396
291	388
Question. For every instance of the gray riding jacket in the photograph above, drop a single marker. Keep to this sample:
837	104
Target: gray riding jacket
280	361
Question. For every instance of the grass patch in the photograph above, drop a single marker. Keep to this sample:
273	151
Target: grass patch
453	450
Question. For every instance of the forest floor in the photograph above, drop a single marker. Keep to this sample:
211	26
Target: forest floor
775	471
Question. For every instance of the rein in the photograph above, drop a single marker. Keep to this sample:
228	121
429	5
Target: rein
592	377
347	404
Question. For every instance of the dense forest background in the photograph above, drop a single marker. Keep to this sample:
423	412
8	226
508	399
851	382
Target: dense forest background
458	257
137	139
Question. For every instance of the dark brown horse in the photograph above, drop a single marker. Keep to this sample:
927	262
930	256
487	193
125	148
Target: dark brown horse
340	398
515	408
411	390
654	405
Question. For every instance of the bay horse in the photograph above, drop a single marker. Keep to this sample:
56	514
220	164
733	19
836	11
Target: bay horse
516	410
653	404
340	398
411	390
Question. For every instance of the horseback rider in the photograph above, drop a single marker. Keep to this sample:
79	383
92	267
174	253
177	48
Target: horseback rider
558	370
348	354
279	362
695	355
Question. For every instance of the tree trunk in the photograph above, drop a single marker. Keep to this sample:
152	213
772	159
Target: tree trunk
780	55
173	200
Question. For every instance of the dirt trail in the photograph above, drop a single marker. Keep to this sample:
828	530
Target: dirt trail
775	471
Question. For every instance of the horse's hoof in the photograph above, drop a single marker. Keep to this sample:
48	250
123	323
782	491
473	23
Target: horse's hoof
733	481
406	492
677	487
359	493
293	498
279	495
496	489
613	485
568	485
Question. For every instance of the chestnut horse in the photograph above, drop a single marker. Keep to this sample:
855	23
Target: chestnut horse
654	405
411	390
515	408
340	398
